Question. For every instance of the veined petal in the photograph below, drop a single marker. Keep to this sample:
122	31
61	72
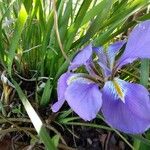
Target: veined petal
81	58
129	117
82	77
84	97
61	88
106	70
112	51
138	44
100	54
89	68
102	60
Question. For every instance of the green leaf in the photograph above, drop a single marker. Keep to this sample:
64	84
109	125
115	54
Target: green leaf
55	140
65	114
144	77
94	11
41	130
65	19
97	23
140	139
145	68
46	93
16	36
93	125
66	120
76	25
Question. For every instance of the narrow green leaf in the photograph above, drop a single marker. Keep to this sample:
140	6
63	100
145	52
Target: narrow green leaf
66	120
65	114
55	140
97	23
96	10
140	138
46	38
65	19
41	130
145	68
75	26
41	16
16	36
144	77
46	93
93	125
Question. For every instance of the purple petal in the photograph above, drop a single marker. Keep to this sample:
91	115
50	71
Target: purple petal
102	60
101	55
89	67
84	97
131	116
138	45
61	88
81	58
113	49
106	70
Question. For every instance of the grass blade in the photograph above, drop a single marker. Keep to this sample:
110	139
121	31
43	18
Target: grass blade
76	25
46	93
16	36
144	77
145	68
41	130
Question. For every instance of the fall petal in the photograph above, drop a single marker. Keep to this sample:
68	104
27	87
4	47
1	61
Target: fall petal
61	88
131	116
84	97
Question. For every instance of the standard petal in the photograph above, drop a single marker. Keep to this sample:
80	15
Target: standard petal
112	51
84	97
61	88
106	70
138	44
90	68
102	60
100	54
81	58
131	116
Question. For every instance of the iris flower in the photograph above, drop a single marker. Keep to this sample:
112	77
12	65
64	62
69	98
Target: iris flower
125	106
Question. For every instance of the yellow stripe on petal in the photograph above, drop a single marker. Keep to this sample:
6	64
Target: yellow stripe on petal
119	90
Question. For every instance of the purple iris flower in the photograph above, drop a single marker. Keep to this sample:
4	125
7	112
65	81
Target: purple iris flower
125	106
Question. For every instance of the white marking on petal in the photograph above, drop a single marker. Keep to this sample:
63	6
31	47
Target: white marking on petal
80	77
117	89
